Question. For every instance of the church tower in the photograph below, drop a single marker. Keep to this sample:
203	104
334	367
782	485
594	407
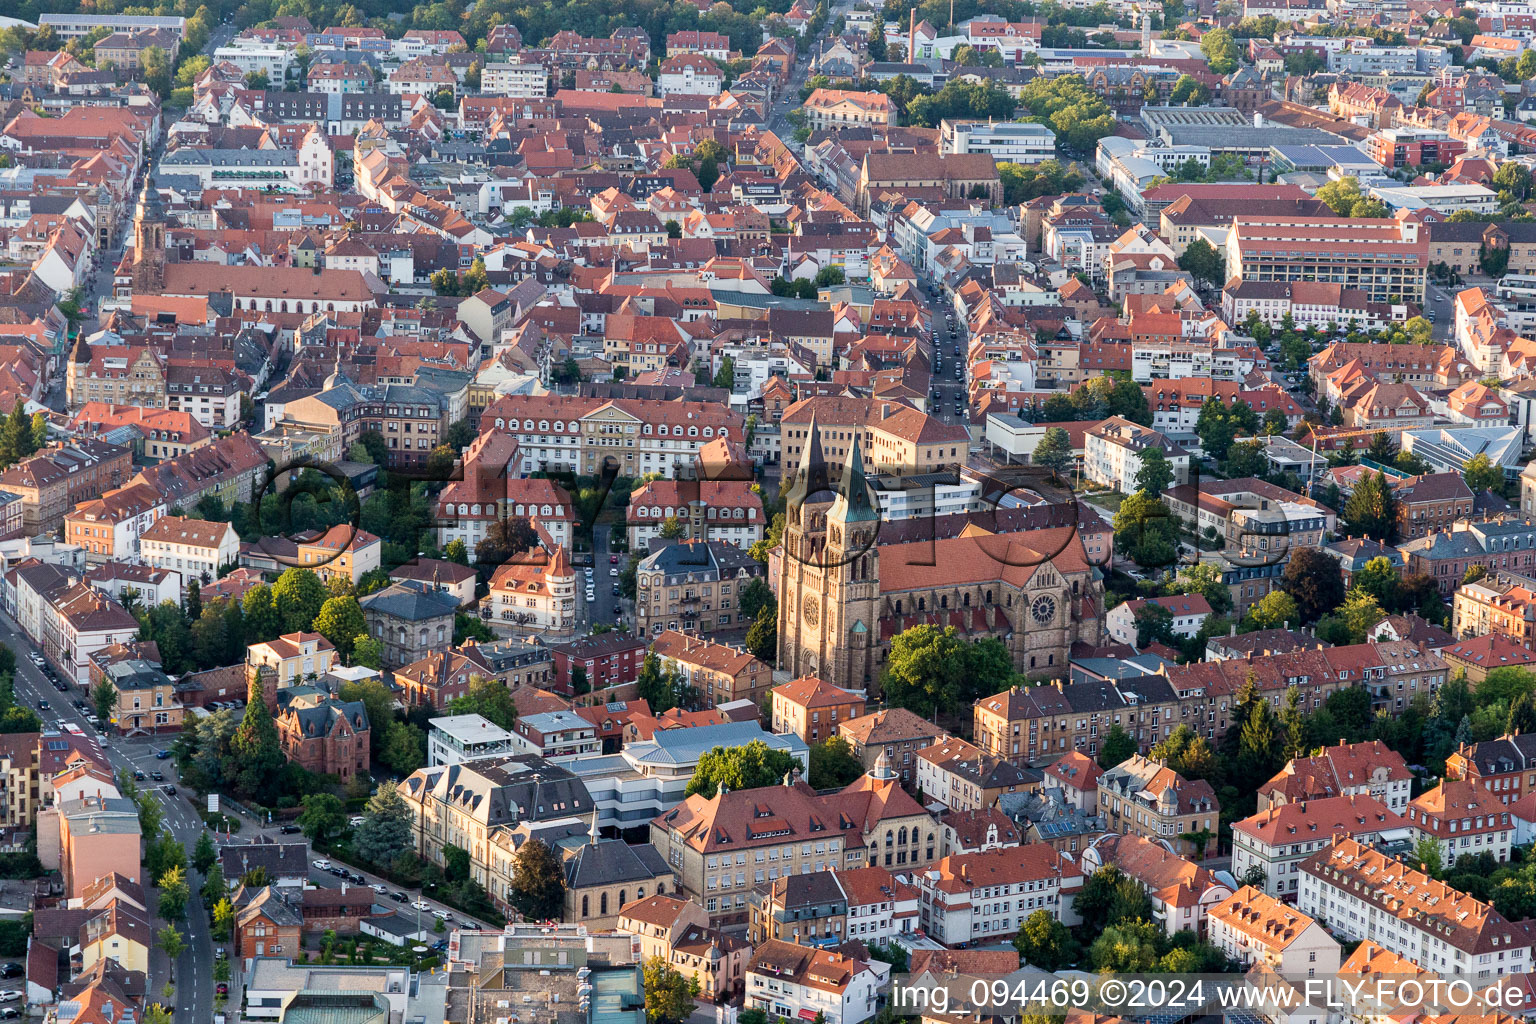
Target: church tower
149	242
828	608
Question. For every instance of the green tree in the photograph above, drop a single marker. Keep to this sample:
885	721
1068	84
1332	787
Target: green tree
1146	531
1201	259
1118	746
1372	509
204	856
833	764
1108	897
1156	471
1427	853
668	995
763	636
172	943
1221	51
1378	578
1187	753
1315	581
725	377
104	697
672	528
751	766
1482	475
262	621
489	698
256	745
367	652
385	831
1128	947
1274	610
754	596
538	882
403	742
340	620
298	595
1053	450
323	818
1045	942
175	892
924	671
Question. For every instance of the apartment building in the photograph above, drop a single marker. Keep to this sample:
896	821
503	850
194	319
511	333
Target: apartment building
195	548
1433	501
722	846
808	909
963	778
292	658
895	734
556	734
794	982
1463	819
721	674
455	739
1366	895
813	709
1141	797
1254	928
1504	604
108	528
517	80
828	109
1278	839
1182	892
1112	454
1369	768
693	586
1385	258
879	907
724	510
985	897
1505	767
1037	725
678	931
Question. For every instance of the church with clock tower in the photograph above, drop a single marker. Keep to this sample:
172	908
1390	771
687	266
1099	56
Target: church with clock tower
843	594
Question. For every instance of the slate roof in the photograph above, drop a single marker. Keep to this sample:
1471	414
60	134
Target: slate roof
410	602
613	861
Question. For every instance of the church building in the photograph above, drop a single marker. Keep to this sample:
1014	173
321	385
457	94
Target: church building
843	595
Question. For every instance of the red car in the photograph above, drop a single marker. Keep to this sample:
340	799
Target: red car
613	559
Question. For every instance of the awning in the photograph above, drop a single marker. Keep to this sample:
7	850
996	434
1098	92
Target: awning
805	1014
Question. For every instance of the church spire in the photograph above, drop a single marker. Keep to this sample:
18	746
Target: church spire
811	478
852	504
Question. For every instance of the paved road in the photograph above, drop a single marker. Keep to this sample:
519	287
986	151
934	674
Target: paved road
193	971
1441	302
950	388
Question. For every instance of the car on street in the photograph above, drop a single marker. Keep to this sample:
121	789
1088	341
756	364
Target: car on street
169	790
613	572
59	685
157	775
43	705
422	905
9	995
12	970
222	988
138	774
289	830
382	890
613	559
10	1013
162	754
441	915
399	897
321	863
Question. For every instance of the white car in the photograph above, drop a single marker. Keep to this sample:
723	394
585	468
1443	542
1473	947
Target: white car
421	905
441	915
380	889
614	573
10	995
322	864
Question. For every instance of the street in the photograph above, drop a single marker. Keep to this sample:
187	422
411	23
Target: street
1442	304
952	392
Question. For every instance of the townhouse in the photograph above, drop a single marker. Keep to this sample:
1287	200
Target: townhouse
108	528
194	548
678	931
793	982
1369	768
721	674
1505	767
1182	892
812	708
1367	895
962	778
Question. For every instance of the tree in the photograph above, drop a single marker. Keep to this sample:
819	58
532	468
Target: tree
1203	261
1315	581
1189	90
172	943
538	882
156	1013
1045	942
324	817
204	856
1146	531
1221	51
1360	612
1156	471
925	669
104	697
876	42
1372	509
262	621
833	764
403	742
763	636
506	538
1512	177
367	652
1427	852
1118	746
1482	475
175	892
456	551
1127	947
298	595
1378	578
672	528
255	743
743	767
1274	610
725	377
341	622
1053	450
488	698
385	830
1108	898
1187	753
754	596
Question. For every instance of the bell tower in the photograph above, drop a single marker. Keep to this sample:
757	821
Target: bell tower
852	577
149	242
801	583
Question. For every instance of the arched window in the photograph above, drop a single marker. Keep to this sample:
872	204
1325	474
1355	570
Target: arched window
602	904
901	837
890	837
966	600
922	604
622	900
585	908
944	601
898	607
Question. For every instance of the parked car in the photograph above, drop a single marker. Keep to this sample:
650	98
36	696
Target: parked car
157	775
382	890
422	905
613	559
138	775
12	970
322	863
222	988
9	995
355	820
289	830
10	1013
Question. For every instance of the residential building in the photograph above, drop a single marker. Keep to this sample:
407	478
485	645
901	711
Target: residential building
708	840
721	674
1367	895
1277	840
109	527
678	931
693	586
410	620
962	778
1385	258
1430	502
1186	614
1037	725
441	677
1463	819
832	109
1254	928
1497	765
1140	797
195	548
976	898
455	739
813	709
1019	142
292	658
1369	768
607	660
1182	892
97	836
1504	604
794	982
1112	454
722	510
807	909
556	734
328	737
147	702
894	733
879	906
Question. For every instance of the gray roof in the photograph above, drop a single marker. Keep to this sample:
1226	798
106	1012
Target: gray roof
504	790
701	559
686	746
231	158
282	860
613	861
405	601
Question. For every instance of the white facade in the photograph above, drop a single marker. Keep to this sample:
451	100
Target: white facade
455	739
1115	465
783	997
1255	928
192	559
519	81
274	60
1019	142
